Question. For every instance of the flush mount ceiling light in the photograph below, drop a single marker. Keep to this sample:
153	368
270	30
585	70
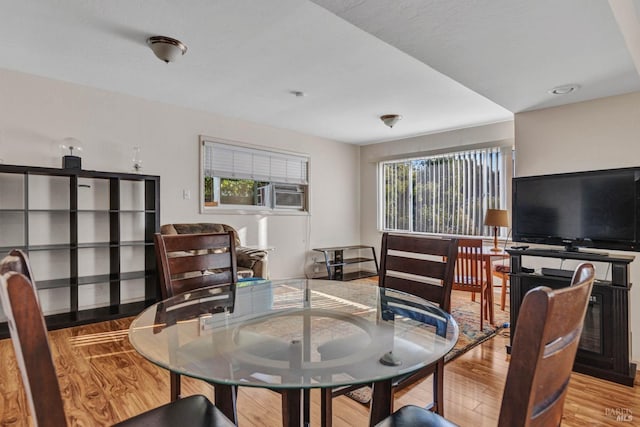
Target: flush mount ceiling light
166	48
390	119
564	89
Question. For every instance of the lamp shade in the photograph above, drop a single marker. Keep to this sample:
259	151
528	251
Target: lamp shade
496	218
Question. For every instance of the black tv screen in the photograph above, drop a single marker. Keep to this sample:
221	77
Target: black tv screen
597	209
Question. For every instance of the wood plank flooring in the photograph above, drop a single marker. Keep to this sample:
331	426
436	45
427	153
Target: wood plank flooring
103	380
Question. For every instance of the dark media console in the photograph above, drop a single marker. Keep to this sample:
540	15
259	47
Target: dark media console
604	347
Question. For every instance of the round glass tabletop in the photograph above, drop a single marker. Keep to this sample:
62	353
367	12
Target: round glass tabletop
294	334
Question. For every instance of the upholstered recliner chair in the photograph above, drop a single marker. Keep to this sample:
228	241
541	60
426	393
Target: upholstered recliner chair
251	262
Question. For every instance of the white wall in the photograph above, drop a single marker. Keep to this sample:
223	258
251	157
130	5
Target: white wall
370	155
37	113
599	134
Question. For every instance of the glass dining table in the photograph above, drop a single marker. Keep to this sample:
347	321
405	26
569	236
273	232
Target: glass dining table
292	336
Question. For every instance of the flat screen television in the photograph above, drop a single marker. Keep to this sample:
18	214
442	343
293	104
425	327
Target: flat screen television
596	209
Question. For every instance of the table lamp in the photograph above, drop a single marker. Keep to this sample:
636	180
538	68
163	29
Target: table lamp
496	218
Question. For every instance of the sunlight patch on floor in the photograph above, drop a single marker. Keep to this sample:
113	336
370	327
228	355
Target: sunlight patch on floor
99	338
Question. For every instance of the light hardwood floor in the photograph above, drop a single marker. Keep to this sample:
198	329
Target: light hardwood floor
103	380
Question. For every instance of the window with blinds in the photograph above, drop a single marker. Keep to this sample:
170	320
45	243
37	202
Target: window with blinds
237	176
446	194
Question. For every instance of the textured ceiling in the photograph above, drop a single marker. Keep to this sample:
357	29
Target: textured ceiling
510	51
440	64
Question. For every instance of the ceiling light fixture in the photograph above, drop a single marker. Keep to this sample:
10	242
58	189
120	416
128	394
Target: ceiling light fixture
298	93
166	48
564	89
390	119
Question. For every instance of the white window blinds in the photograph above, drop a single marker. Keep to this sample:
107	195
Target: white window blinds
231	161
446	193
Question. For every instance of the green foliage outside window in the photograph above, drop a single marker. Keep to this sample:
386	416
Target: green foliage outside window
239	187
208	190
234	191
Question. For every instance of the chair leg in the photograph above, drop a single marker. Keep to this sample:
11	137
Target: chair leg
504	278
503	295
483	309
225	398
326	407
438	388
381	401
175	386
489	302
291	411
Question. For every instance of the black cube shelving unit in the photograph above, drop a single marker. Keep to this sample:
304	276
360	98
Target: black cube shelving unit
89	236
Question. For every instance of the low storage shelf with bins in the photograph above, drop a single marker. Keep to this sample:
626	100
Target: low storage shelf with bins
89	237
604	348
338	261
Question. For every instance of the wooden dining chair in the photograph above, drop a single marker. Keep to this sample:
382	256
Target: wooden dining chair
29	336
471	276
192	261
420	266
424	267
544	349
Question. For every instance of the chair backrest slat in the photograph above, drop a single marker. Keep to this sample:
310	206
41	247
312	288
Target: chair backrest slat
30	342
180	286
426	267
204	262
419	265
195	242
544	349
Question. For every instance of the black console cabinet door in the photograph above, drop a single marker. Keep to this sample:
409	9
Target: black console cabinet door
605	345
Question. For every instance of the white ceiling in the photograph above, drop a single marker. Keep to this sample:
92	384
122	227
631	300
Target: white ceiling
440	64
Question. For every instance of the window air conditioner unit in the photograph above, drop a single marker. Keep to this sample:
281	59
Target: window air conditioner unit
288	197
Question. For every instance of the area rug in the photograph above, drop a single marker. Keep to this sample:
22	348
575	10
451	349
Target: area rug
467	314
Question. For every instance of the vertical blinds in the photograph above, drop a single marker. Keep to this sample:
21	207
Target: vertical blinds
446	194
231	161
